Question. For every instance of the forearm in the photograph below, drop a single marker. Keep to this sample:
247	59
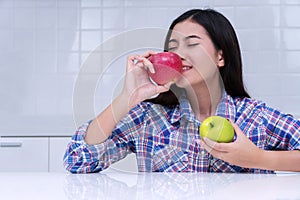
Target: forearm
244	153
103	125
280	160
92	155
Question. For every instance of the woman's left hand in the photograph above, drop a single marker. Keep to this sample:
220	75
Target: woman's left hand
242	152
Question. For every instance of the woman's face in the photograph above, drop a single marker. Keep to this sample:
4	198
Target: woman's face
199	57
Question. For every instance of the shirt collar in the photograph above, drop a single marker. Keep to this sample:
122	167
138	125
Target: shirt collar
186	108
226	109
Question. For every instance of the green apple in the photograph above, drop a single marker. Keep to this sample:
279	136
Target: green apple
217	129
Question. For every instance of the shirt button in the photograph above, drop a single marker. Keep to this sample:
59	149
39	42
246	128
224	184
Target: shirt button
202	152
169	161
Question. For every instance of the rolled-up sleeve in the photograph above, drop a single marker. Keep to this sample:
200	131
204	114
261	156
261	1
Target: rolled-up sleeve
83	158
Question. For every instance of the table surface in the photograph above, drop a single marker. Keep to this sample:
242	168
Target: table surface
112	184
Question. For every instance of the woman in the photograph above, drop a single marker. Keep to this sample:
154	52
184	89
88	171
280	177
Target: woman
163	132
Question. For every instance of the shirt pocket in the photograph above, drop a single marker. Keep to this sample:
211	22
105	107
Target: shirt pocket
169	159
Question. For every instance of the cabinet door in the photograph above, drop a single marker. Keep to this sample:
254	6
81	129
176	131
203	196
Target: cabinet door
23	154
57	150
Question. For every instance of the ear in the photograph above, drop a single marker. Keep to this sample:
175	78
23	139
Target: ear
220	61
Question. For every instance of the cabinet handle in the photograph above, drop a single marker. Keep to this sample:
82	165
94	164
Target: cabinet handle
10	144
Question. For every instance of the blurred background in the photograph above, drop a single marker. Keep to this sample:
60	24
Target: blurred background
43	44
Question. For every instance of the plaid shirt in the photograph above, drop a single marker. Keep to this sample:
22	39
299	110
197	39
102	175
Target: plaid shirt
163	138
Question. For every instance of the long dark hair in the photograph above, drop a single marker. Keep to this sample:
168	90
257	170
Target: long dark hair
224	38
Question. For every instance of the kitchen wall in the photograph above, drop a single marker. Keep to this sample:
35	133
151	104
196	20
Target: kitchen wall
45	43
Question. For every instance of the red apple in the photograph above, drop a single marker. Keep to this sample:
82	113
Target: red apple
167	66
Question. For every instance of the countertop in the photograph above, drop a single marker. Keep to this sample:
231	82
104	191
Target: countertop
112	184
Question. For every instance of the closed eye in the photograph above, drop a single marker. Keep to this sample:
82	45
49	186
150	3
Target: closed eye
172	48
194	44
173	43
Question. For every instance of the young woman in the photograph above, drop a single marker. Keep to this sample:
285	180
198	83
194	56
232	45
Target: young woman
164	132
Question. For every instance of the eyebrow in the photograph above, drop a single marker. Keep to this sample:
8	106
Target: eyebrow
192	36
186	38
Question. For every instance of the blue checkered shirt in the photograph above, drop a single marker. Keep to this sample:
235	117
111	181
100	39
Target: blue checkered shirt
163	138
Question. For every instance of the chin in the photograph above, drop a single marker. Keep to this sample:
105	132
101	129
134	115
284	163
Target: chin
183	83
187	82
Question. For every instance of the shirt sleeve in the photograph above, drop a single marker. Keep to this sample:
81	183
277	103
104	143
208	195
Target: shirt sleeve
83	158
283	130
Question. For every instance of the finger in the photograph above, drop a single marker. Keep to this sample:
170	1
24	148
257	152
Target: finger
198	141
148	54
209	142
223	147
138	61
161	89
236	128
147	64
133	57
205	146
168	85
217	154
132	60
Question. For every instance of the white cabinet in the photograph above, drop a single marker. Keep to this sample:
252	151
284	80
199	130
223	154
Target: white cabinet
43	154
24	154
28	154
57	148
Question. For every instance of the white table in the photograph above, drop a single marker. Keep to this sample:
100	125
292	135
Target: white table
112	184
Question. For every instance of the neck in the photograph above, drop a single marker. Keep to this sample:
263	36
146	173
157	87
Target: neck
204	100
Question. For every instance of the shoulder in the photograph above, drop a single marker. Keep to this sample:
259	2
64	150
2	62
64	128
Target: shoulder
246	103
249	105
249	110
253	108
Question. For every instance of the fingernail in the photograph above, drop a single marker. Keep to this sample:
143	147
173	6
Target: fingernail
152	70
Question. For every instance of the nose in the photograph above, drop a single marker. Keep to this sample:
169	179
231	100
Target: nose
180	52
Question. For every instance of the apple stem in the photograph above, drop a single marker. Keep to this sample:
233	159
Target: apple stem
211	125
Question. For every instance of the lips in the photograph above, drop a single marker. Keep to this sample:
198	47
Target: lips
186	68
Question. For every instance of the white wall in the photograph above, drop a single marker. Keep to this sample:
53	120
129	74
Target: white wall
44	43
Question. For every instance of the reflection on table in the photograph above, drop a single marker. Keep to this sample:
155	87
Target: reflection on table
113	184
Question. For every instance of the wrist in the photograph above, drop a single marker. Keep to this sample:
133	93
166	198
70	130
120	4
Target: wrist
261	161
127	100
267	160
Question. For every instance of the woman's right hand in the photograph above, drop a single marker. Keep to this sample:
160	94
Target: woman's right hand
137	86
